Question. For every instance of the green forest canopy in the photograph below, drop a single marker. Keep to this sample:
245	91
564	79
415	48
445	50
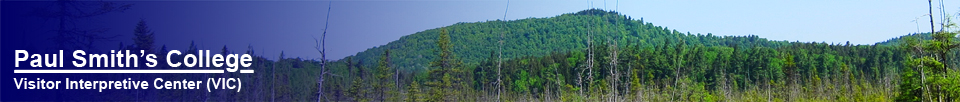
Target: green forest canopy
549	59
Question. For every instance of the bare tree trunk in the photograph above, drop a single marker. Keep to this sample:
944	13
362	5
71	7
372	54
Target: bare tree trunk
613	71
321	47
725	89
677	63
500	54
589	58
559	85
923	86
769	96
580	82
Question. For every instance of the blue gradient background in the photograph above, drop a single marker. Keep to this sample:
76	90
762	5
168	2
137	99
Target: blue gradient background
272	27
211	25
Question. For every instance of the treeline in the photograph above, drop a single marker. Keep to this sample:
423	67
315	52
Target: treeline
596	55
669	71
283	79
700	73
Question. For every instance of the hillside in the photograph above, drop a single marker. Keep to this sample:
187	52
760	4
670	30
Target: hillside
627	59
541	36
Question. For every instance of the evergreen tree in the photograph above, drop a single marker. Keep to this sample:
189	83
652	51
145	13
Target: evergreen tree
383	77
356	91
143	38
143	41
413	93
446	67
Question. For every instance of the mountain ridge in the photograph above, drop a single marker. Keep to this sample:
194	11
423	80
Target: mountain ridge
542	36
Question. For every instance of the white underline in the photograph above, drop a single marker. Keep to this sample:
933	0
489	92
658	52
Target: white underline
246	71
119	71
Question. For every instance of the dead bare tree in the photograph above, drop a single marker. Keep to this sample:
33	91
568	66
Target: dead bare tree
589	63
559	85
500	52
321	47
923	85
613	70
677	63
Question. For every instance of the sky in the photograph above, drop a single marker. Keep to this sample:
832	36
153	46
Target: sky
354	26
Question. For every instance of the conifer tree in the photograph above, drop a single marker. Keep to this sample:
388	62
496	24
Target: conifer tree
443	82
413	93
384	74
143	38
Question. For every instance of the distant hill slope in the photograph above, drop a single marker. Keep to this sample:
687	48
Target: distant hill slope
897	40
473	42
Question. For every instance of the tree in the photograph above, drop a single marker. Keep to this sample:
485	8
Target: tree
413	93
143	37
931	86
910	90
322	48
500	53
681	66
443	82
384	74
356	91
143	44
613	70
482	73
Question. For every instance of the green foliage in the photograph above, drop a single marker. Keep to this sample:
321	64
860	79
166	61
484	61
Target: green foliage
383	77
540	37
937	80
442	78
356	91
413	93
544	58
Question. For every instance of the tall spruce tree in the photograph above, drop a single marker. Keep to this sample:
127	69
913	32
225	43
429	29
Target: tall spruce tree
384	73
444	84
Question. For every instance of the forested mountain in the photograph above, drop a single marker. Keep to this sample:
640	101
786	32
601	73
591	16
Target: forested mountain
597	55
541	36
592	56
602	55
